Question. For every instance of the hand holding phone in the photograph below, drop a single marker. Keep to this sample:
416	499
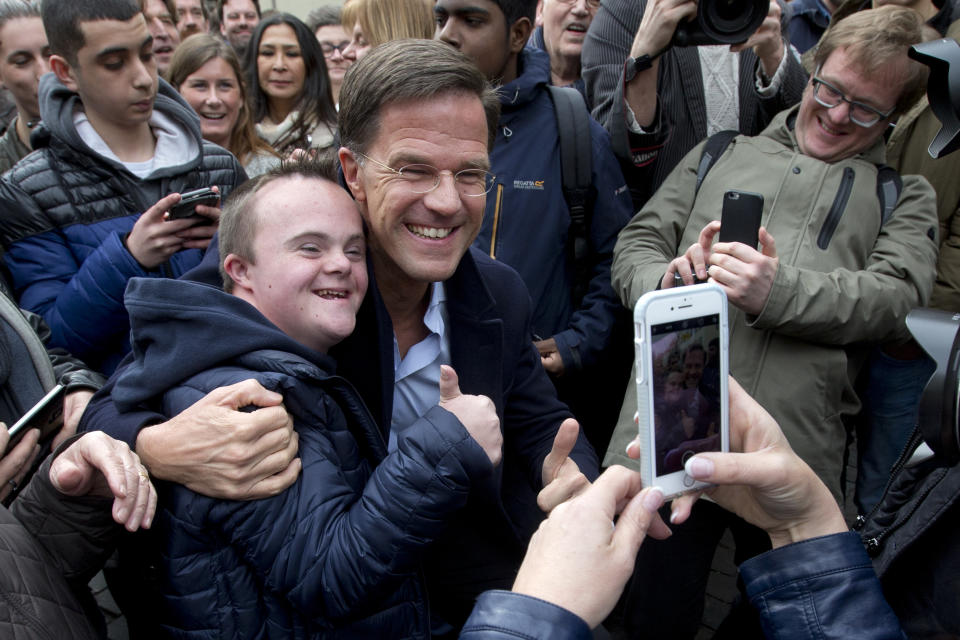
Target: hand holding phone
46	415
682	361
740	219
189	200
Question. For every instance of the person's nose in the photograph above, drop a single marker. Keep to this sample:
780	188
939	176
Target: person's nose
580	8
144	77
447	33
336	262
840	114
445	197
43	66
213	97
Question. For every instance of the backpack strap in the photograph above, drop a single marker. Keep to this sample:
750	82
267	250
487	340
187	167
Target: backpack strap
576	157
889	186
712	150
889	183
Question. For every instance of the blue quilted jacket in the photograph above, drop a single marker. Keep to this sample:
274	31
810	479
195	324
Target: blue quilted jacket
66	211
338	553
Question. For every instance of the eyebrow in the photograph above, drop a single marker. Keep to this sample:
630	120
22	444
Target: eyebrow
322	236
864	101
147	42
461	11
406	158
20	52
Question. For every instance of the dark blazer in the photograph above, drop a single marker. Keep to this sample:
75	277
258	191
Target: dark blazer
492	352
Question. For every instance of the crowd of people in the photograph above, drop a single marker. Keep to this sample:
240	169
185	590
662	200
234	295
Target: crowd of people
374	381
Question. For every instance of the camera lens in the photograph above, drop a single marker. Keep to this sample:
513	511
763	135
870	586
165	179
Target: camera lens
732	21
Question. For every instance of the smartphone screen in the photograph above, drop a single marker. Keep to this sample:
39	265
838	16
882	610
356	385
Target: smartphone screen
685	355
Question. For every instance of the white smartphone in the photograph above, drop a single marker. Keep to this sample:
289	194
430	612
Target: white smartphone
681	337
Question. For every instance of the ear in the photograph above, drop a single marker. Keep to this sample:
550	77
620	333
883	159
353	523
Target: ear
538	22
238	269
351	175
519	34
65	73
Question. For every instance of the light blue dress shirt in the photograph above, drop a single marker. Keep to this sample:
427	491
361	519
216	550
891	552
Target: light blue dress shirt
416	377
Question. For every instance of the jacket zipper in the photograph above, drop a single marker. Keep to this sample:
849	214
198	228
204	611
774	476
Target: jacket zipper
837	209
496	222
874	543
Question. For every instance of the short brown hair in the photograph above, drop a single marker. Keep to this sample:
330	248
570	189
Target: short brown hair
239	219
407	70
877	41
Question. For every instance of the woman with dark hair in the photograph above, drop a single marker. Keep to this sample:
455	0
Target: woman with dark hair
289	89
207	73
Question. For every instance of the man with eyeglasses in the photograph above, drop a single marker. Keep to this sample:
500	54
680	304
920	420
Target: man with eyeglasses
333	39
578	323
830	277
415	158
561	28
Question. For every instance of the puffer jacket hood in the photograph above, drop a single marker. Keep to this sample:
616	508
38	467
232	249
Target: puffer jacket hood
58	104
177	332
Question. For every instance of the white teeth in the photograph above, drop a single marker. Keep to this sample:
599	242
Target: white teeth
429	232
210	116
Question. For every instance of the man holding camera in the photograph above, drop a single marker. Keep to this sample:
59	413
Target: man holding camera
836	269
658	100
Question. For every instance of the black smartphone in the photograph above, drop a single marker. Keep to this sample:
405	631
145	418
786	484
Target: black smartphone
186	208
740	220
46	415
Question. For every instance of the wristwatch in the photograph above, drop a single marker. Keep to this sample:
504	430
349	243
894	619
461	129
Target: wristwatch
635	66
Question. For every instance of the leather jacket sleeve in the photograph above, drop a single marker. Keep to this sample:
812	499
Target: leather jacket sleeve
501	615
820	588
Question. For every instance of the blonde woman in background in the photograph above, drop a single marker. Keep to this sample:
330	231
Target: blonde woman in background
373	22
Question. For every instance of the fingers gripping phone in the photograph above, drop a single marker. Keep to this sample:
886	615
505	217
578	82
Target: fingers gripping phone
186	208
681	337
740	217
46	415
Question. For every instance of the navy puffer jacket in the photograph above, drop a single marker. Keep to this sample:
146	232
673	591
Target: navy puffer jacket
66	212
338	553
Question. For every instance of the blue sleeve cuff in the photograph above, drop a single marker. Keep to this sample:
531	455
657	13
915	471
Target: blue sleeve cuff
504	614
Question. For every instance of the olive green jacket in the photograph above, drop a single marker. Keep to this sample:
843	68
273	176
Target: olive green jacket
844	281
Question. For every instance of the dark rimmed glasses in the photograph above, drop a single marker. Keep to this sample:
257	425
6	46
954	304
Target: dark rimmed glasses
829	96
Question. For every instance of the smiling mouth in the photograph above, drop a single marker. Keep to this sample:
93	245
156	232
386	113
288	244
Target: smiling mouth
332	294
829	129
577	28
213	116
432	233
